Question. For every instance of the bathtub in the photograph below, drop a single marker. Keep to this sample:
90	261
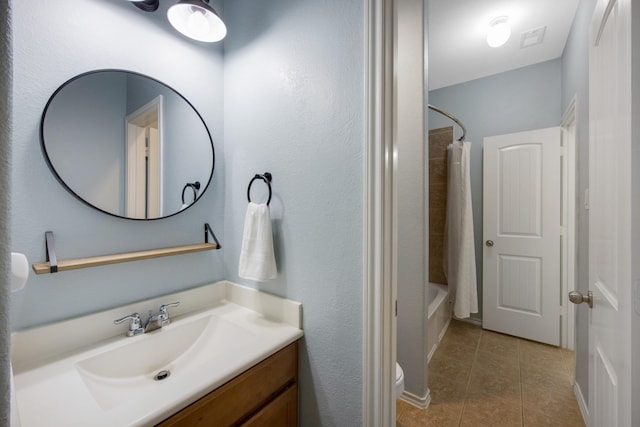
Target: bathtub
438	315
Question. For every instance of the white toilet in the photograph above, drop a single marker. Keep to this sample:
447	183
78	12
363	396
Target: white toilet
399	380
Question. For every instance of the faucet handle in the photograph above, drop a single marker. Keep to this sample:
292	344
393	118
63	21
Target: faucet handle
164	307
135	327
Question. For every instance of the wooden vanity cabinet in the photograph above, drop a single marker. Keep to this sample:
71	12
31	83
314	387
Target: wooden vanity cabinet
265	395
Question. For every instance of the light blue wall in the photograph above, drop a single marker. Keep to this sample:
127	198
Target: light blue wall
86	145
294	106
575	82
524	99
410	182
54	41
5	203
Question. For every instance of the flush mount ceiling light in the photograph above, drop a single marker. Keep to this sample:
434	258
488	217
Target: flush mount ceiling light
499	31
197	20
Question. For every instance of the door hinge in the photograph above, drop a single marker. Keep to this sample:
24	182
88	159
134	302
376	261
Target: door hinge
396	308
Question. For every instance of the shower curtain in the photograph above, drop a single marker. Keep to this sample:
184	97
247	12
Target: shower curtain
459	259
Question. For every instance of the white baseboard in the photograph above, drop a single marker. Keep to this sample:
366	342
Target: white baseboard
582	404
417	401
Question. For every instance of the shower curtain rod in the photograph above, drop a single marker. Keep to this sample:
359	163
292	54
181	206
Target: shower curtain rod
452	117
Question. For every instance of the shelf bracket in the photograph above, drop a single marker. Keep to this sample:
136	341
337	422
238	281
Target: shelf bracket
207	230
50	248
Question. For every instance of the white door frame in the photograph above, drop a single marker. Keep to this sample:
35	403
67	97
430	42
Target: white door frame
568	265
379	223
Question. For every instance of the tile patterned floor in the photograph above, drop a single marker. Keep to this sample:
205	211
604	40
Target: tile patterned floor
482	378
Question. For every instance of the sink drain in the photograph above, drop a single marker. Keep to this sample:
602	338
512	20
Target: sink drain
162	375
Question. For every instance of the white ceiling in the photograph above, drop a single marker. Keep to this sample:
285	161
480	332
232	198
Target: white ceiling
458	51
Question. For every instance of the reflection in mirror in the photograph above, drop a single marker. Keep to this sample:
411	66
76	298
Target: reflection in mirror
126	144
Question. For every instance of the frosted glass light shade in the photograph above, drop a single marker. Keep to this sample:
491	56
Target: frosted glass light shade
499	32
197	20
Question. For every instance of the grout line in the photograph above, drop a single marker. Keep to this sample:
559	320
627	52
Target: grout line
466	389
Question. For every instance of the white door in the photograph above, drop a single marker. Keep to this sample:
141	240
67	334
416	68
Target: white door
610	214
521	227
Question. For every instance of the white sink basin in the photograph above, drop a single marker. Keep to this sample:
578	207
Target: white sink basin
114	376
145	355
112	382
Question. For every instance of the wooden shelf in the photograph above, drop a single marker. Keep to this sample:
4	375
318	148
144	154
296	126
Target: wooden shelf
74	264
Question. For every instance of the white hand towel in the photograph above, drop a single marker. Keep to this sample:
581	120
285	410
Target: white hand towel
257	260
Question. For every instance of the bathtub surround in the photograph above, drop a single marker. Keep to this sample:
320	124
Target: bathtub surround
438	316
439	140
5	203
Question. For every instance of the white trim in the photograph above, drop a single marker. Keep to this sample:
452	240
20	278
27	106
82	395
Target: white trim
140	118
569	222
417	401
582	404
379	321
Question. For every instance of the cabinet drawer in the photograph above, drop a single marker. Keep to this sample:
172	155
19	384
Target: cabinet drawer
244	395
280	412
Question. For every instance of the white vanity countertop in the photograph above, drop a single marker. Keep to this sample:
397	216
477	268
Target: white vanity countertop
78	373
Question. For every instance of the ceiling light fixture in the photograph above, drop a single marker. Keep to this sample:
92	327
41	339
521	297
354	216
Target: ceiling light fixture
197	20
146	5
499	31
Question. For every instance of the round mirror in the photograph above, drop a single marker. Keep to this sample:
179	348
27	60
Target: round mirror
127	144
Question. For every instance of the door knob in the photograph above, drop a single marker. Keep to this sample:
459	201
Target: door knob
489	243
578	298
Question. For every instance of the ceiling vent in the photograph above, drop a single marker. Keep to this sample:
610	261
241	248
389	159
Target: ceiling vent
532	37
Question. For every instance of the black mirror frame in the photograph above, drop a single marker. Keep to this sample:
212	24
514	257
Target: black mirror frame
66	186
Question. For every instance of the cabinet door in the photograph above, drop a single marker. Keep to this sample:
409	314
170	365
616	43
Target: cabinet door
281	412
244	395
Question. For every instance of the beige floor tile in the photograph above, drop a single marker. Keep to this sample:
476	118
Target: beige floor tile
482	378
501	377
539	398
445	389
534	418
433	416
450	368
464	329
498	344
550	364
452	349
536	374
493	362
569	358
401	406
480	412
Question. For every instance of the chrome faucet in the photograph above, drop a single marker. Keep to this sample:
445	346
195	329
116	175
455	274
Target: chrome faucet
155	321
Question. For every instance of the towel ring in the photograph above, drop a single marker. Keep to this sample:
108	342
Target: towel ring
266	177
195	186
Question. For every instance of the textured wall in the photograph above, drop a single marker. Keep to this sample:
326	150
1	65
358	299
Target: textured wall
575	82
524	99
294	106
5	203
53	41
412	201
